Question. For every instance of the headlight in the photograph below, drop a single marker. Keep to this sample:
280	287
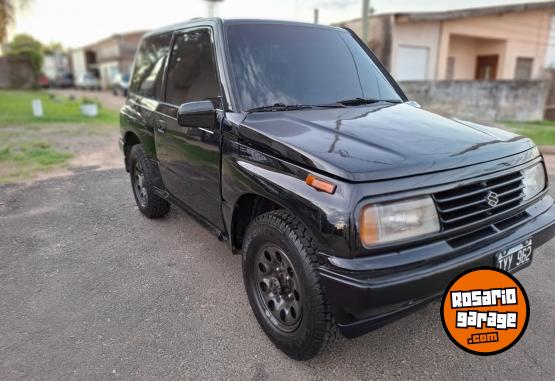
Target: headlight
381	223
534	181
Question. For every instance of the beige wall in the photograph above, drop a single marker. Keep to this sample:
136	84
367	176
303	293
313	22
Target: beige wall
465	50
550	54
511	35
419	34
526	35
107	49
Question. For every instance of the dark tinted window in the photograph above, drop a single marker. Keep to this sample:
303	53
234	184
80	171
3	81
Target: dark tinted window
149	66
301	65
192	72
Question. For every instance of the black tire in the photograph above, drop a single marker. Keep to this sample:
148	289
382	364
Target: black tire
144	176
305	333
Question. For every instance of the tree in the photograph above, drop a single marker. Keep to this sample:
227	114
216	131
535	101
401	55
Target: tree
25	48
7	15
53	48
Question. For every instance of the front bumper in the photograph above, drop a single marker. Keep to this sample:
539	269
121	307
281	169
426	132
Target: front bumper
366	293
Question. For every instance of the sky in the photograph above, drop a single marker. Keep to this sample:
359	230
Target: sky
75	23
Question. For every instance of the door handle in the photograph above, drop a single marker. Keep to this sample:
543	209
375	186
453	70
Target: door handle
161	126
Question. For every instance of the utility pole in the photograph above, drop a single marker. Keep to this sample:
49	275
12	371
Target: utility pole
316	15
365	20
211	7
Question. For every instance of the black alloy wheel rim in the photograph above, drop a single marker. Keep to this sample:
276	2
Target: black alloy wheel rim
277	288
139	184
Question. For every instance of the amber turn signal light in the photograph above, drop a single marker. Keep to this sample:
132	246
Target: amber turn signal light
368	226
320	185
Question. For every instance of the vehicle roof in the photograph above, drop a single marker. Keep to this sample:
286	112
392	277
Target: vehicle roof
200	20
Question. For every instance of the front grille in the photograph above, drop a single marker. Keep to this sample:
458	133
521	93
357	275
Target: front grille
468	204
488	231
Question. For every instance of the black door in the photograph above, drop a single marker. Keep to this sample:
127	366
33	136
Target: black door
145	88
189	157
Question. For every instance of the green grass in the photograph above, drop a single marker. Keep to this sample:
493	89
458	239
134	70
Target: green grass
30	146
22	159
541	132
15	108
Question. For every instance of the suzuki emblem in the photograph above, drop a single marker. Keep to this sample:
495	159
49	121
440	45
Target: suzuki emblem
492	199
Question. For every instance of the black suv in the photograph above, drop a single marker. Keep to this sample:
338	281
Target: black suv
349	205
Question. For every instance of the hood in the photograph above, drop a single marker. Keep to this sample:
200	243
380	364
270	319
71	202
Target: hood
377	142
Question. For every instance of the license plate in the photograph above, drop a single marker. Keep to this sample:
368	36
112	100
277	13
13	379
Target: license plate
515	258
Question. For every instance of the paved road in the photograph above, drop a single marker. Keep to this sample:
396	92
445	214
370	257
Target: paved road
89	289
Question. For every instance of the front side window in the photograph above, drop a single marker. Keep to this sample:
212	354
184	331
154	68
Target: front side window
301	65
149	66
192	72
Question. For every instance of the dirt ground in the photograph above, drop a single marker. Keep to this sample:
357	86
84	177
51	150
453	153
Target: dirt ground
93	147
96	150
550	164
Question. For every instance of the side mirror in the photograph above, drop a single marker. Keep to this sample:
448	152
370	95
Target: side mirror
197	114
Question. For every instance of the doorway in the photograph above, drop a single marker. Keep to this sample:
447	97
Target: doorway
486	67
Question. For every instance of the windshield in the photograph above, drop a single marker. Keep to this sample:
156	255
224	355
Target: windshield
301	65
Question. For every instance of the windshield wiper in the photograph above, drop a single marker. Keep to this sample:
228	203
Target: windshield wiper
284	107
343	103
279	107
365	101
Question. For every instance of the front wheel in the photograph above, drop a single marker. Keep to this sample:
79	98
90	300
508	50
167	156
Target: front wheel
143	177
280	272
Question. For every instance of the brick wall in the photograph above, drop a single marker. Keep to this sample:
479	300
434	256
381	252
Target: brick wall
15	74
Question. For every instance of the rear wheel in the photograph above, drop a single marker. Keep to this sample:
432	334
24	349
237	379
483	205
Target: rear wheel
143	178
280	272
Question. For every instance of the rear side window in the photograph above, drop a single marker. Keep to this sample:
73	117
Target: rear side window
192	72
149	66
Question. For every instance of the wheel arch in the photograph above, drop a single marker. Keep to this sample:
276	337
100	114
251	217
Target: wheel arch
251	205
247	207
254	182
129	140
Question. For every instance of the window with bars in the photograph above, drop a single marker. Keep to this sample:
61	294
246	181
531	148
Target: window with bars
523	69
450	71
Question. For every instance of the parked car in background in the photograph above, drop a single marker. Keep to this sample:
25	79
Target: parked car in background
120	84
87	81
43	81
63	81
350	205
